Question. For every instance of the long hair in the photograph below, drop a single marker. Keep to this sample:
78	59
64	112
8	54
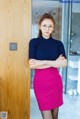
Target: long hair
45	16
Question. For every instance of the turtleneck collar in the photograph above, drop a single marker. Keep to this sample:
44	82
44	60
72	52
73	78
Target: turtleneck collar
45	38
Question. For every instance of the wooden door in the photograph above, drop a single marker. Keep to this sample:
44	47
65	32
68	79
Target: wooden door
15	24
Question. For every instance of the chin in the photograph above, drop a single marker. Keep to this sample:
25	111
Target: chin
47	35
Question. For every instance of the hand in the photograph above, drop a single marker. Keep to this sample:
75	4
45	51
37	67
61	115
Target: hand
33	63
61	57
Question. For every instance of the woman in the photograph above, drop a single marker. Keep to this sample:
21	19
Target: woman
46	55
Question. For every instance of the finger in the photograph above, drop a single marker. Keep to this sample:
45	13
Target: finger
60	55
32	60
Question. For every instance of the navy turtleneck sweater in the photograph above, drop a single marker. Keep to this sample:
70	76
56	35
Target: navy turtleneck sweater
45	49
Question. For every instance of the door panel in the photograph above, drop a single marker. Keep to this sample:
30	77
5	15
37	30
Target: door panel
15	21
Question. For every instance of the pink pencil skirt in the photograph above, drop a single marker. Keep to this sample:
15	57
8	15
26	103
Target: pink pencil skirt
48	88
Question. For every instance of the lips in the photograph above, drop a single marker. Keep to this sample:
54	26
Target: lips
47	32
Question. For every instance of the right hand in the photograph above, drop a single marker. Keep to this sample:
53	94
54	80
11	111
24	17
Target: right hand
61	57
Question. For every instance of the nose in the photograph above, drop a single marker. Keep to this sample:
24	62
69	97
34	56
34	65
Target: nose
47	27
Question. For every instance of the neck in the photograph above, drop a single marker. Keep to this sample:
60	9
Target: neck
46	37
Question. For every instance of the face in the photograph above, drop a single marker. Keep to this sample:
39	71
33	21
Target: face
47	27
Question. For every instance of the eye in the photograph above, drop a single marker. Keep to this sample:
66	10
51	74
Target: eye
50	26
44	25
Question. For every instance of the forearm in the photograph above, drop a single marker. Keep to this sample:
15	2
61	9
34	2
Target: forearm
57	63
40	66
